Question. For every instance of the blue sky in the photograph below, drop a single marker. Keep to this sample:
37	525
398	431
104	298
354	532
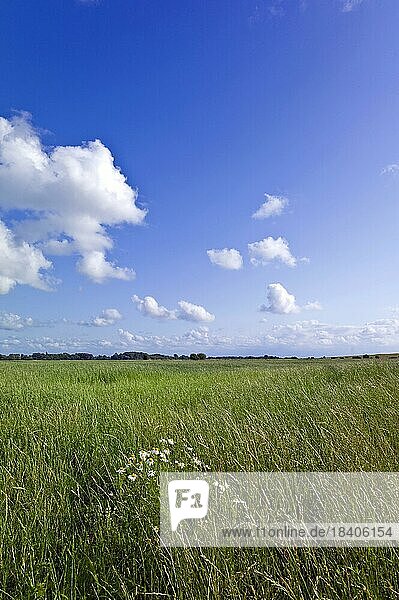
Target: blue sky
209	110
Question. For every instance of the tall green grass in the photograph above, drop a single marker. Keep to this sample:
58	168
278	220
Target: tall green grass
72	528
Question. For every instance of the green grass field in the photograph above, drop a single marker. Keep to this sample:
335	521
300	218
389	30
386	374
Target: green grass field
71	527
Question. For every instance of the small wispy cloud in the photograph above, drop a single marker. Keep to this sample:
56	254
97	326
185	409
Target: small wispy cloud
349	5
13	322
272	207
266	9
313	306
108	316
392	169
276	8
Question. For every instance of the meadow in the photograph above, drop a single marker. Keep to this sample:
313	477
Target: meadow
73	528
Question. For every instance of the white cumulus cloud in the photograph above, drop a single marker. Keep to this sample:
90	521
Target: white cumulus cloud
20	263
149	307
225	258
11	321
66	197
272	207
281	302
109	316
193	312
187	311
97	268
270	249
132	338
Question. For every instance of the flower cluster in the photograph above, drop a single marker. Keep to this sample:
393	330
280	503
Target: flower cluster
168	456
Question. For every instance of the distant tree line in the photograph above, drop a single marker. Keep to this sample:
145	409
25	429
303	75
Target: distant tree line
146	356
123	356
88	356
